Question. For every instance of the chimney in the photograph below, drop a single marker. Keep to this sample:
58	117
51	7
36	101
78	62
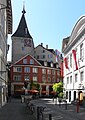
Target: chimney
42	44
46	46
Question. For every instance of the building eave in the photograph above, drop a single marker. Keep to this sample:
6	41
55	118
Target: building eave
9	16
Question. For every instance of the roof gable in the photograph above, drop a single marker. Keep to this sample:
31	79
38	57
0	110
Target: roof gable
27	60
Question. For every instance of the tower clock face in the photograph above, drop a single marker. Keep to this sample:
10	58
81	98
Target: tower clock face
27	42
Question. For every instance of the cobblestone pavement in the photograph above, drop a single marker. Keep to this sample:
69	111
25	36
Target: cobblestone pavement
15	110
62	112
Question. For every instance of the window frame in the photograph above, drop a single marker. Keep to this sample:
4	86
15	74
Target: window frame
35	70
27	69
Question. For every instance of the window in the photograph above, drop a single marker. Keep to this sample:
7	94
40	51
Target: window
35	78
26	78
58	80
51	64
27	69
17	69
45	63
31	61
70	60
43	56
70	79
67	80
24	61
53	72
49	79
76	77
17	77
66	94
57	65
35	70
37	56
43	51
58	73
43	78
81	76
48	71
43	71
50	56
81	51
53	79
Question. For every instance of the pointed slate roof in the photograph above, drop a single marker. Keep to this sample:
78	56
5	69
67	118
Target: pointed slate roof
22	30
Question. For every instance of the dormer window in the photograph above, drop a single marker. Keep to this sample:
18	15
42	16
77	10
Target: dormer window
45	63
51	64
57	65
49	71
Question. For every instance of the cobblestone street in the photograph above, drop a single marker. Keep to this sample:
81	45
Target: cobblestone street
16	110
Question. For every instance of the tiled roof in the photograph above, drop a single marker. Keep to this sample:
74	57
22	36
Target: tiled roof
48	63
22	30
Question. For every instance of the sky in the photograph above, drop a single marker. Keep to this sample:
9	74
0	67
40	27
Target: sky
48	21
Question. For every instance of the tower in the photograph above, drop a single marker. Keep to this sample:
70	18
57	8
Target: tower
22	42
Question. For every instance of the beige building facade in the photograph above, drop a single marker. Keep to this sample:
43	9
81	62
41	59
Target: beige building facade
44	53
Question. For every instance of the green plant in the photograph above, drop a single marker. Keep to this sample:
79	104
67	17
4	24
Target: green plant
34	85
60	95
58	88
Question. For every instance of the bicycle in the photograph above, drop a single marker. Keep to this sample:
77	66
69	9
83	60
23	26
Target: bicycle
40	114
30	107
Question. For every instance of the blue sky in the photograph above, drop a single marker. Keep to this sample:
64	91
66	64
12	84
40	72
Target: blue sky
48	21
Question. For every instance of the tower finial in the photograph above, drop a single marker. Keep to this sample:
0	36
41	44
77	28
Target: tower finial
24	7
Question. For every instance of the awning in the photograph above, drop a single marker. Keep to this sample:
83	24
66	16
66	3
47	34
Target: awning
33	91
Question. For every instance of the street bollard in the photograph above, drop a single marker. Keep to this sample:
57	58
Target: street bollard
53	99
65	105
77	109
38	116
50	116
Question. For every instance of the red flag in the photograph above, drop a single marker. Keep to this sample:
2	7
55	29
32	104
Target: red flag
61	71
74	55
66	62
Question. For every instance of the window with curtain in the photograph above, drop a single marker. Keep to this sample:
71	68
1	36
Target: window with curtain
17	69
35	78
17	77
27	69
43	71
35	70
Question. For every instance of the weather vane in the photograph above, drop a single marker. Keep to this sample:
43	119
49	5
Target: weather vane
23	7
